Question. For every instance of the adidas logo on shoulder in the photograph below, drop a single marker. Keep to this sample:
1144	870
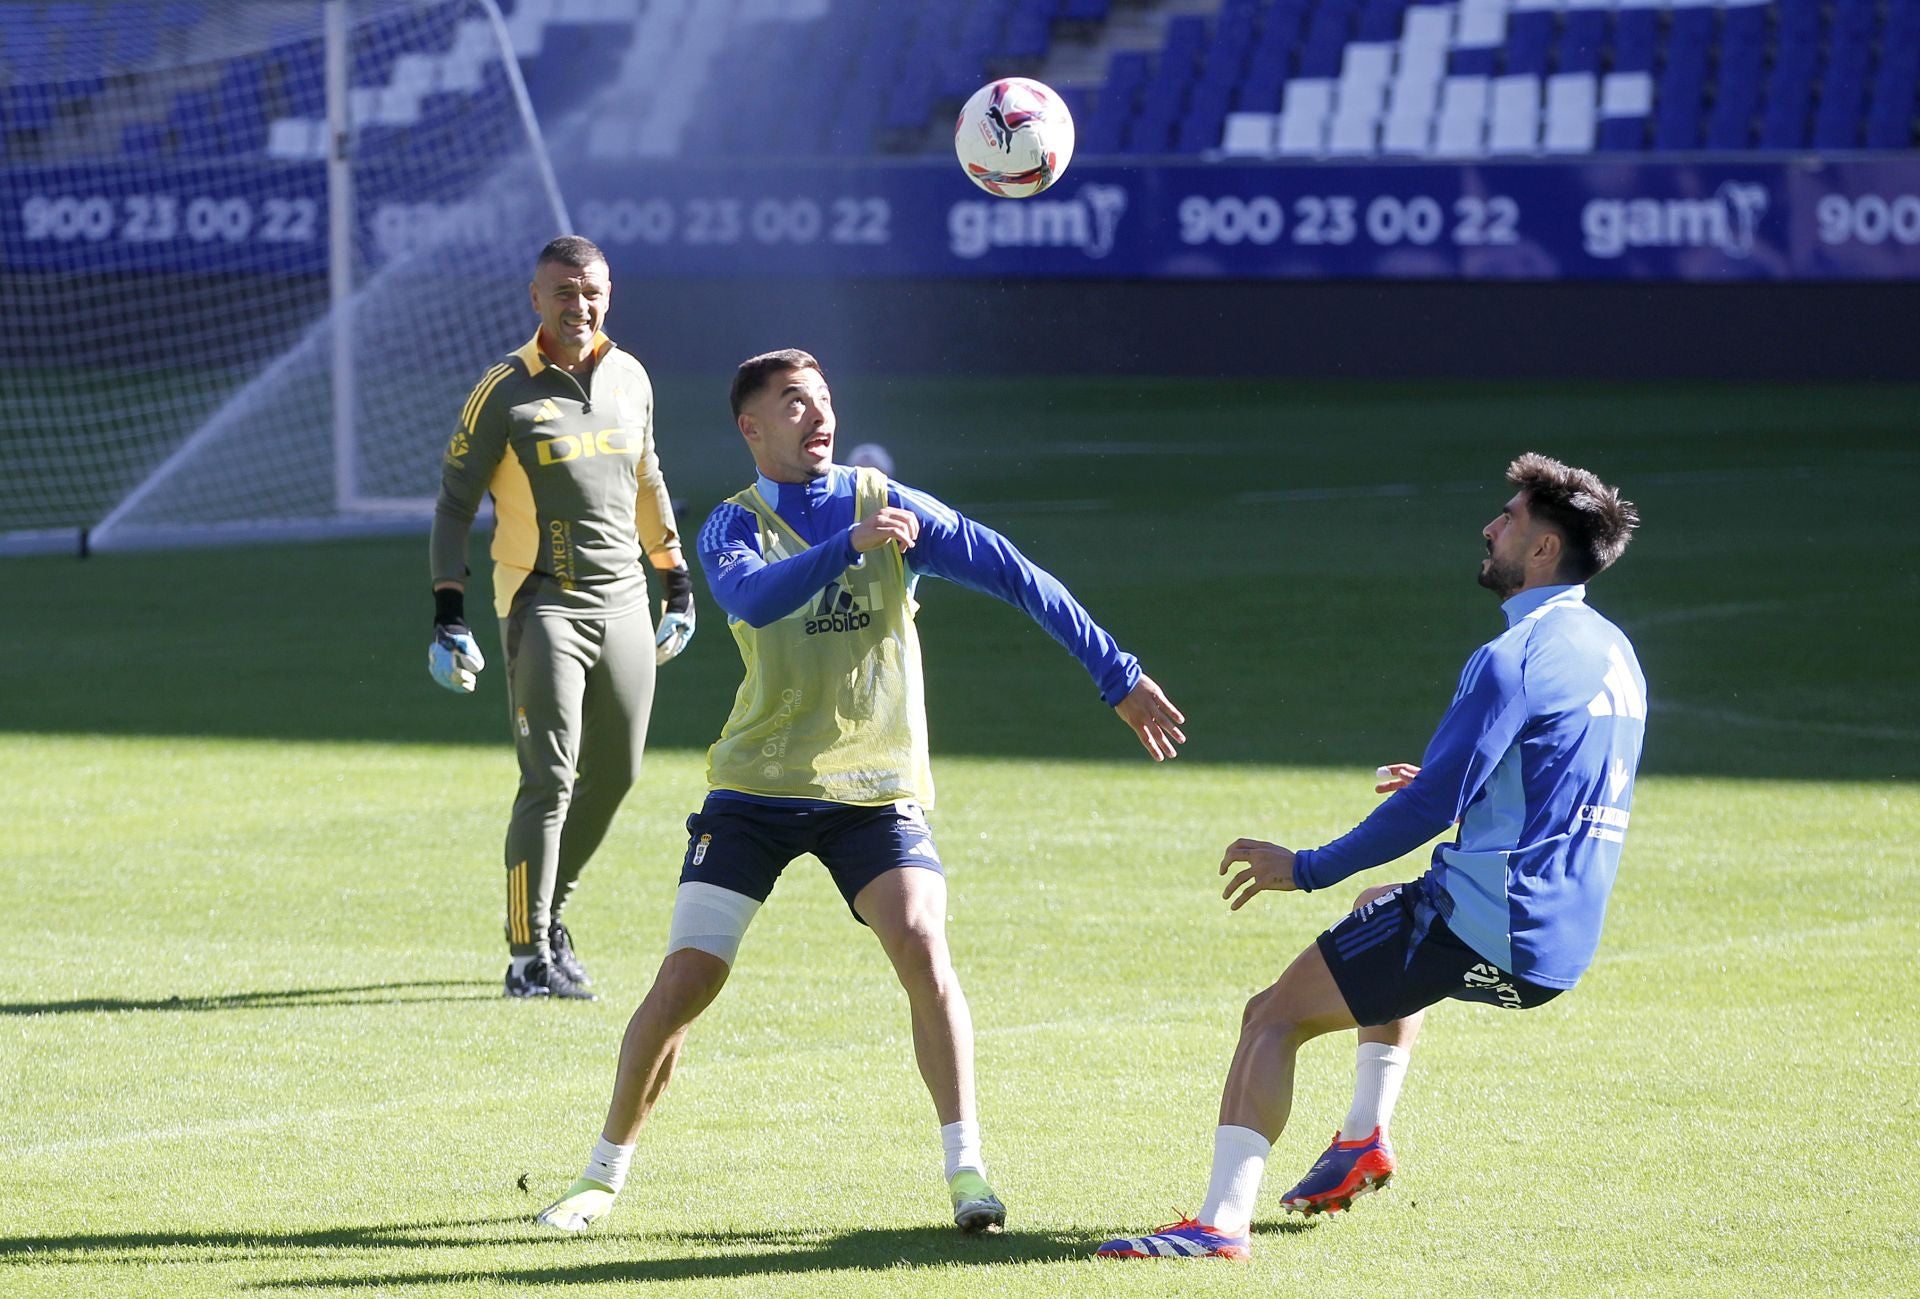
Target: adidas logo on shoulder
1622	697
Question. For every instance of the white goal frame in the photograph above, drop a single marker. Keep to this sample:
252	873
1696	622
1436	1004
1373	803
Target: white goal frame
355	512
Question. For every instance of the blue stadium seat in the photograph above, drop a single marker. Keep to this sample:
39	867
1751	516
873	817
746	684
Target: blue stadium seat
1381	20
1789	98
1114	108
1205	119
1151	132
1797	22
1744	25
1084	10
1583	41
1891	105
1843	91
1529	36
1269	63
1029	29
26	107
1477	62
1636	36
196	125
1677	100
1328	27
143	141
1737	98
1621	135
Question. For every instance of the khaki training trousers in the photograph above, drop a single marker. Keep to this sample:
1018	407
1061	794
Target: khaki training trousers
580	691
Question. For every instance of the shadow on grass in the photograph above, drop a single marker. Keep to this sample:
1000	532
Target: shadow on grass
725	1254
689	1255
368	994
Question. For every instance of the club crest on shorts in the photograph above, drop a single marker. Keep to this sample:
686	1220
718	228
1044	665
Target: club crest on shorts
700	849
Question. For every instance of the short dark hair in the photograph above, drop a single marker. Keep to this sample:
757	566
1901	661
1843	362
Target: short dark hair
1593	518
577	251
755	371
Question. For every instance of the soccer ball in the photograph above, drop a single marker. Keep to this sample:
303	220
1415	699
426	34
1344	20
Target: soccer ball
871	455
1014	138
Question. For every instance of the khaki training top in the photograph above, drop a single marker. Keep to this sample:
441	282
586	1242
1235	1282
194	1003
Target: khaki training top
576	484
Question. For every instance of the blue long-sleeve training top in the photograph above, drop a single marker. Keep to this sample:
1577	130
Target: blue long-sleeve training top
950	546
1535	758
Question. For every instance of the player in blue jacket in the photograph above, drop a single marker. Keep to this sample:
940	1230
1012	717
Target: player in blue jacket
1535	762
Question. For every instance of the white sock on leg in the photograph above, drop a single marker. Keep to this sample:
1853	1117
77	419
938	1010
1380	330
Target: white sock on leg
961	1142
1239	1162
1378	1071
608	1164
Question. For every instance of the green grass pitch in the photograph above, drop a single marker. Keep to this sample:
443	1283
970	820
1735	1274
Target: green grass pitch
251	1041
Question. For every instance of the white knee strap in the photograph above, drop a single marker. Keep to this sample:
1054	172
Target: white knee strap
710	919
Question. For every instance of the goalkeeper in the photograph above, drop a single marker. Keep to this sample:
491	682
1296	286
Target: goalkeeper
561	433
826	752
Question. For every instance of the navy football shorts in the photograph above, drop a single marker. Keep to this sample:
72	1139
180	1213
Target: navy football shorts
743	846
1395	955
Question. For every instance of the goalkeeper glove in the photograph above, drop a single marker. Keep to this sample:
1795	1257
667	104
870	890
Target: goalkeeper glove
676	617
454	657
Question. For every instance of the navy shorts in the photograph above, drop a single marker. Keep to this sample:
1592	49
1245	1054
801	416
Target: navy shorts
743	846
1395	956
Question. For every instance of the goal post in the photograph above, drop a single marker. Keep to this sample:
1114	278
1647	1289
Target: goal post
254	263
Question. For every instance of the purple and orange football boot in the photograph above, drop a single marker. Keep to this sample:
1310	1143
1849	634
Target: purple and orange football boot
1183	1239
1347	1170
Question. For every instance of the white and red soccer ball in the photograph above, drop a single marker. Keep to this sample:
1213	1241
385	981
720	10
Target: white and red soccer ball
1014	138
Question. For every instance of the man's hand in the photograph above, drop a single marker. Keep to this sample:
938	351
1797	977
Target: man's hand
1153	718
888	523
1263	866
675	628
1394	776
454	658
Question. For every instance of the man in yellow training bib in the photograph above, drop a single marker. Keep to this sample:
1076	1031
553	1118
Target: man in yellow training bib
826	751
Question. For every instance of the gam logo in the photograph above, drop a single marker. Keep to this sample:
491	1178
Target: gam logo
1726	219
1087	221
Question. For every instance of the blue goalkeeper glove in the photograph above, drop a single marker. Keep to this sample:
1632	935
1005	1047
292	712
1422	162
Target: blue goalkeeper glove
676	618
454	657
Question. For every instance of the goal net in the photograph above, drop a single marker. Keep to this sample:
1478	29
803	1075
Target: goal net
252	257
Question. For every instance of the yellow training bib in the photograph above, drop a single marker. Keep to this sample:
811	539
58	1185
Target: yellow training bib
833	706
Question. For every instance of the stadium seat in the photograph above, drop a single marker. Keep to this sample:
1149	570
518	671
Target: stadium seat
1529	36
1461	130
1304	109
1636	37
1843	90
1677	110
1248	135
1582	42
1784	121
143	141
1737	97
1513	124
1890	112
1380	20
1113	109
1571	116
1271	60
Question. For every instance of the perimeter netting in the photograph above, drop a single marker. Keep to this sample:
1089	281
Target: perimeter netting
165	308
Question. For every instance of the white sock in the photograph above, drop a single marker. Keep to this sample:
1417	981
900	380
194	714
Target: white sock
962	1144
608	1164
519	964
1378	1071
1239	1162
